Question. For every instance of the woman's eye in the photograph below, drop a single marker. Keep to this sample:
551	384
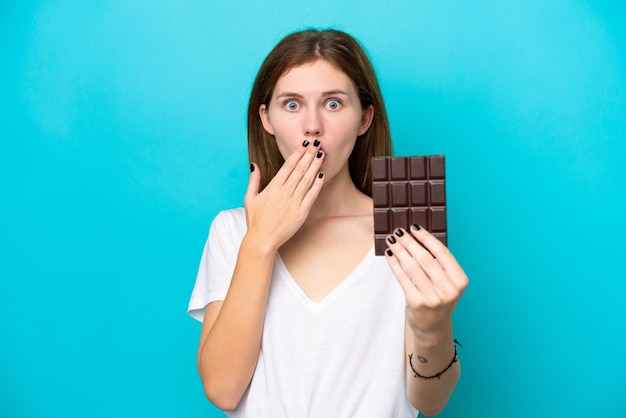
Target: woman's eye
292	105
333	104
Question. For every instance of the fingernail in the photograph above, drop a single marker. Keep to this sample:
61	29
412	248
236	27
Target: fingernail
389	253
319	154
316	143
416	227
251	167
320	175
399	232
305	143
391	239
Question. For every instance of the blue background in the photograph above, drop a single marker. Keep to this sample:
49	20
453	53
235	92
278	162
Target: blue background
122	129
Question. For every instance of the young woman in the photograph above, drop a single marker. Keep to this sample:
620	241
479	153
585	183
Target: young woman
300	319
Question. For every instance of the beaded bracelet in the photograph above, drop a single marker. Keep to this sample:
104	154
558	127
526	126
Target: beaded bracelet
438	375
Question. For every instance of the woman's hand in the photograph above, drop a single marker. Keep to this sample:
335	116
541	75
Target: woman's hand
275	214
430	276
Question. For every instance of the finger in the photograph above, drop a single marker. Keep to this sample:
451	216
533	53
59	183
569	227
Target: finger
418	253
413	296
442	254
443	286
290	164
413	269
309	176
313	192
301	168
253	182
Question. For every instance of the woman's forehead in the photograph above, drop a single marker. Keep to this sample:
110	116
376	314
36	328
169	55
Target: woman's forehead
314	77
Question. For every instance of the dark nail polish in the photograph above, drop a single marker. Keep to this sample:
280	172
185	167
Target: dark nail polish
316	143
416	227
251	167
399	232
320	175
389	253
319	154
391	239
305	143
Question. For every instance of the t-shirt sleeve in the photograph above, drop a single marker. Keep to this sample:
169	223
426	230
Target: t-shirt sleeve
217	264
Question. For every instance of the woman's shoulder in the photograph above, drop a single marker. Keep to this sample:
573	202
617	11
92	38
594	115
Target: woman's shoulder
231	215
229	221
227	230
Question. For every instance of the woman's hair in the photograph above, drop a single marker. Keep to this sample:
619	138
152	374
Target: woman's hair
342	51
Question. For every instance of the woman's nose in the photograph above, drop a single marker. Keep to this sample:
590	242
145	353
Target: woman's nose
313	124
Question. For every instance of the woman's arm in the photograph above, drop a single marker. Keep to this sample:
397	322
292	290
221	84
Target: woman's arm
430	356
433	283
232	329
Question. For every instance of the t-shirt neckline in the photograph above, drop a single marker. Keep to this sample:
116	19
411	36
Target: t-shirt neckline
330	296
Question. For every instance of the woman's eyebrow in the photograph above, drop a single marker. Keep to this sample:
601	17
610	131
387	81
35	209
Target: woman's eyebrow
334	92
289	94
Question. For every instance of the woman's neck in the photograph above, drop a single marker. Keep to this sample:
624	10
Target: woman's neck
340	197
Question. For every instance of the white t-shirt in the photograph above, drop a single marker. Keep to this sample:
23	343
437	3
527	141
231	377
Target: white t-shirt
340	357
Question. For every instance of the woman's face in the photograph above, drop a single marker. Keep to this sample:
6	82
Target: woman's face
317	101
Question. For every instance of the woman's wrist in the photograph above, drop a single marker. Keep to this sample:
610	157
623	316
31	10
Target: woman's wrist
436	375
432	353
433	337
258	244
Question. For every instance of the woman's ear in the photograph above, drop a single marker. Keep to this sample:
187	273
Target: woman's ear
366	120
265	119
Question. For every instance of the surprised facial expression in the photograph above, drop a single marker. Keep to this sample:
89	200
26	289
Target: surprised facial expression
317	101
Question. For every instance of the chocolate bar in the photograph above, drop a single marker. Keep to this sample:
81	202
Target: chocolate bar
407	191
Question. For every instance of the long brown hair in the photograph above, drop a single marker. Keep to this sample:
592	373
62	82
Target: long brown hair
344	52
